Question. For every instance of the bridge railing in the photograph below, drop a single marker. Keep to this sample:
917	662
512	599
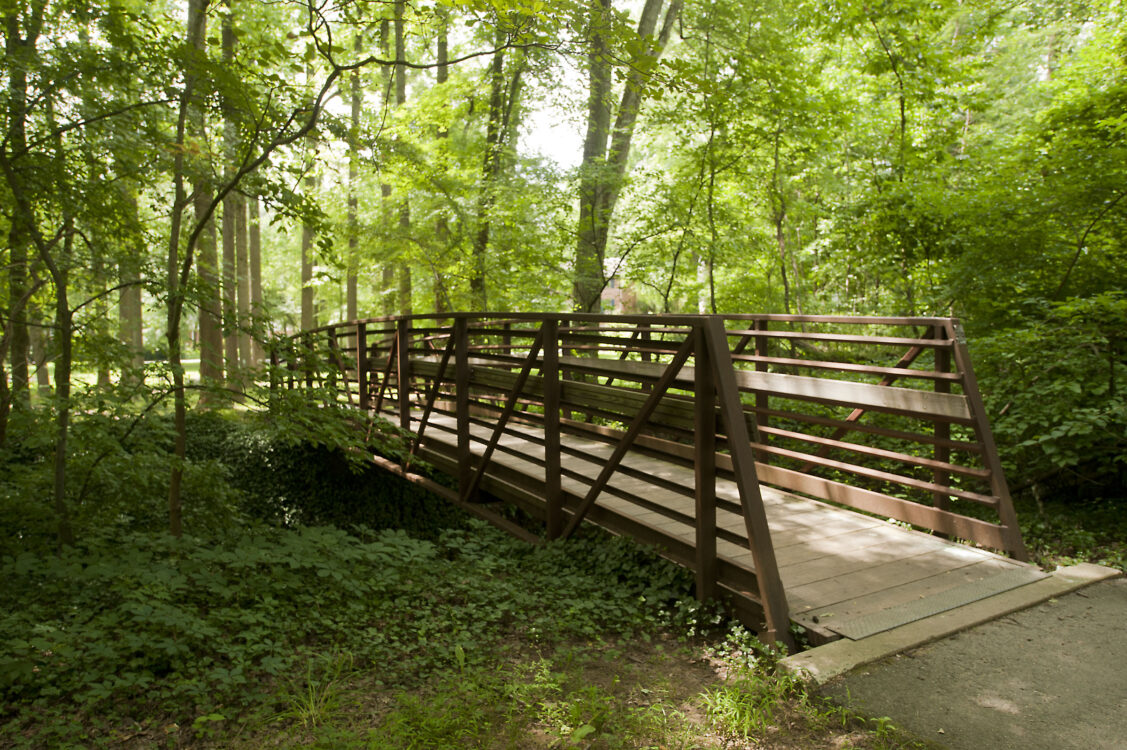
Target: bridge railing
878	414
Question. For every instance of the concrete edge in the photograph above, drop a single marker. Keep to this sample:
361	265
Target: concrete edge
821	664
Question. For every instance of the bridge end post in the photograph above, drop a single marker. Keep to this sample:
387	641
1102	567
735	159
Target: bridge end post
550	372
705	468
1011	531
771	593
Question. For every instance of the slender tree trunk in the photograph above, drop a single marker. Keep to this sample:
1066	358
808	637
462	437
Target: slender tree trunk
20	51
129	305
64	323
255	253
604	165
351	303
40	352
387	267
130	314
194	52
211	306
490	169
242	269
211	303
405	207
230	218
441	225
308	314
101	324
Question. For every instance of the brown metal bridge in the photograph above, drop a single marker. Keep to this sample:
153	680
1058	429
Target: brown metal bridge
833	472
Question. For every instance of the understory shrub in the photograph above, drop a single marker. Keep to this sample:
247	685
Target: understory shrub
1056	389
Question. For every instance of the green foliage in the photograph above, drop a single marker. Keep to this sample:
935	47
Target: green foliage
1057	390
1064	533
137	625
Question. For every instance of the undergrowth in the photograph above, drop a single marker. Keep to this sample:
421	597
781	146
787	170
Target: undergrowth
129	626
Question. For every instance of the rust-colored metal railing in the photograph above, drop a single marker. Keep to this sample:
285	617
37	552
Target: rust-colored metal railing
878	414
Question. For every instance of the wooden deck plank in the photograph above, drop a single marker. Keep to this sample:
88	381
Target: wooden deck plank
877	578
897	595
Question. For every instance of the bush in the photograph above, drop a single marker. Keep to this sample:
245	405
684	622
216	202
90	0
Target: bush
1057	392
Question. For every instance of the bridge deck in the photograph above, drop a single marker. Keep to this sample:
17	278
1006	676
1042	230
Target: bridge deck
844	573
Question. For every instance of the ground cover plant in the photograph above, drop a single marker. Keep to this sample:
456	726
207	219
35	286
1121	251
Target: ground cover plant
317	636
301	612
260	629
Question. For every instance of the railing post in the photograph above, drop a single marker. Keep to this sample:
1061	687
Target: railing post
645	337
771	593
331	366
942	429
462	401
563	323
704	424
553	494
762	403
307	343
362	365
403	371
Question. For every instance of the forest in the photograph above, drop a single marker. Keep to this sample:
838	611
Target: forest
184	183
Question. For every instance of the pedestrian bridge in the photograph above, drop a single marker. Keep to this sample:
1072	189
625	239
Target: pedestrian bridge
832	472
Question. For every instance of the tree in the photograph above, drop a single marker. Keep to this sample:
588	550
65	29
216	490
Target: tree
606	150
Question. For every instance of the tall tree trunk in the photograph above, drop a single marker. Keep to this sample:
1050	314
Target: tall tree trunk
255	253
242	269
405	207
211	307
211	302
41	354
193	57
387	267
130	314
101	323
779	218
591	236
604	165
308	314
353	260
489	170
230	218
65	326
20	51
441	225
